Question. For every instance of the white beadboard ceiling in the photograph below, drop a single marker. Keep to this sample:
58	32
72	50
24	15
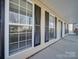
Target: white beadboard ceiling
67	8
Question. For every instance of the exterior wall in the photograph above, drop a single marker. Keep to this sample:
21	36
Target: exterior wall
30	51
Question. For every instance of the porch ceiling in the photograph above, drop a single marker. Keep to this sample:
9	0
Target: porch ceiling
66	8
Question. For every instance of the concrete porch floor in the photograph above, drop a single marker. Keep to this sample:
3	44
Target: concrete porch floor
66	48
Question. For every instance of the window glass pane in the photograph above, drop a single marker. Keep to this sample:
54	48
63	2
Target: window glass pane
29	43
23	37
29	29
29	6
22	11
37	28
13	29
51	27
37	38
13	47
29	17
23	3
29	20
13	15
22	29
23	44
29	13
46	19
65	28
46	36
37	33
51	34
51	22
22	15
15	1
29	36
13	38
13	8
22	19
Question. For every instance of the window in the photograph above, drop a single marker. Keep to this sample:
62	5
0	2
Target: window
46	26
51	27
55	27
14	13
37	33
65	26
20	25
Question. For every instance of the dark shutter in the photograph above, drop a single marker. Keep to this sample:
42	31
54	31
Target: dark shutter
2	13
37	34
61	28
55	27
67	29
46	26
